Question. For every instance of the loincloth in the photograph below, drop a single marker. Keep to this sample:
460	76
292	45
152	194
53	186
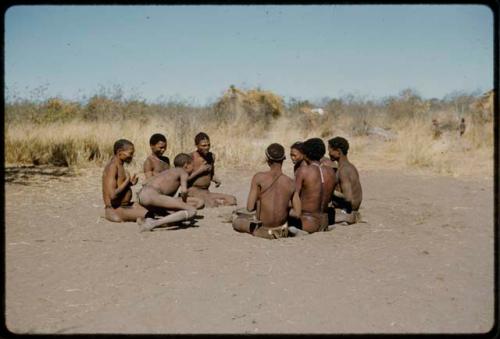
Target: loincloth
319	219
256	227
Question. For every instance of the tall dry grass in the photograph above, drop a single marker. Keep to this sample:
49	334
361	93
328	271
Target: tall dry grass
239	141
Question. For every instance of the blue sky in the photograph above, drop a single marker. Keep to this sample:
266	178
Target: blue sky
196	52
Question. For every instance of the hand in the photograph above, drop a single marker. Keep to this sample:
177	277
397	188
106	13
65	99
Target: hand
206	167
134	179
184	196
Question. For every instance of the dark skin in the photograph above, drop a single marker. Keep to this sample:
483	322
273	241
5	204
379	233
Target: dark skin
297	158
273	205
203	175
159	191
349	184
156	162
308	186
116	189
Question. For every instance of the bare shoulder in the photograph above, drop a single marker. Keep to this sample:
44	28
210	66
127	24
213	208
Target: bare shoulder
110	166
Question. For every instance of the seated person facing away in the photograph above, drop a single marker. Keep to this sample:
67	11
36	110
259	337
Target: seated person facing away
314	185
156	162
204	174
297	155
116	186
348	194
159	191
270	195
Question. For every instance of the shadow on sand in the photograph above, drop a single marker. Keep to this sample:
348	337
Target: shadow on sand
31	175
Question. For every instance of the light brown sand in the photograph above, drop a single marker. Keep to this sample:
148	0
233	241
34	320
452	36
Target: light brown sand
423	262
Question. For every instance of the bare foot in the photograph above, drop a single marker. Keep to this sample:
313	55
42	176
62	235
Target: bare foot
147	225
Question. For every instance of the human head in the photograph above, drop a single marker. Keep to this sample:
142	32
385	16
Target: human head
297	152
124	150
275	153
202	142
314	149
336	147
184	161
158	144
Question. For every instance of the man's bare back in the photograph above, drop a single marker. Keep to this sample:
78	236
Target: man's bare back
314	184
271	194
158	192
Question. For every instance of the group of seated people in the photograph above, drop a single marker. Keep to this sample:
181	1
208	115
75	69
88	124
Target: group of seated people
325	191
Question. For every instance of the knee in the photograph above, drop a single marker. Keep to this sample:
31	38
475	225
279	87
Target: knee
111	215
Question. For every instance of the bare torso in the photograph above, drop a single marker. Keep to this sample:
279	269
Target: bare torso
167	182
348	174
114	171
203	180
273	201
309	178
154	165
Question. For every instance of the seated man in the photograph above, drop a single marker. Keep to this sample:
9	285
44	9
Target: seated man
348	199
314	184
156	162
270	194
199	181
159	191
117	183
297	155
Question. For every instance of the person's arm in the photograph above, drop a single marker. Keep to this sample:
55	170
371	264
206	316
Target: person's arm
253	194
183	189
346	186
299	180
148	168
111	189
214	178
195	174
296	206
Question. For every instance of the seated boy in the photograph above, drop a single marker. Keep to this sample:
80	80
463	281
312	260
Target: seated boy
204	167
348	199
159	191
270	195
117	183
156	162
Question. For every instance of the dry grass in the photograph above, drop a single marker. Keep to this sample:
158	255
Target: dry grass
239	136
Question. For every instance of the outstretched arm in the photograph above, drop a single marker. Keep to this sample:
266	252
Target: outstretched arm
203	169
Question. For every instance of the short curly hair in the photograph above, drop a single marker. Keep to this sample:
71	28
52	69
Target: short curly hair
181	159
121	144
299	146
200	136
314	149
156	138
275	152
339	143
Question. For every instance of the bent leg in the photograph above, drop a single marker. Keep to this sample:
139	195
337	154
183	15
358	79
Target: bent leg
154	199
197	203
129	213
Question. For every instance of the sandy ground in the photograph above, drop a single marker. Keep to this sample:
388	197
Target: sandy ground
422	263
